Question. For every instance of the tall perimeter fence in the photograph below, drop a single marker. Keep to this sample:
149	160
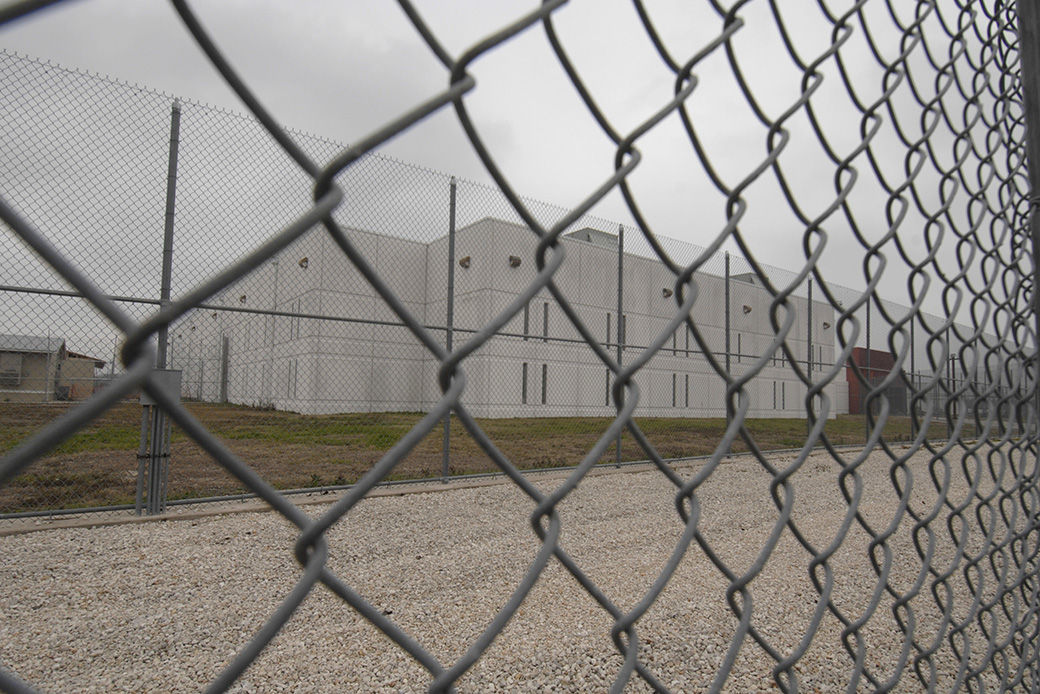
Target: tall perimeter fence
199	304
301	368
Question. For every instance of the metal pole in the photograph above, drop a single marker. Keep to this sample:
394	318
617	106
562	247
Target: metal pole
727	319
450	332
949	384
865	406
267	384
729	371
156	471
171	199
808	360
225	357
913	382
142	458
158	453
620	324
49	375
1029	60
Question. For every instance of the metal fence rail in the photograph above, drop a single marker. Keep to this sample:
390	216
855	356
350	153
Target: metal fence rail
380	321
288	339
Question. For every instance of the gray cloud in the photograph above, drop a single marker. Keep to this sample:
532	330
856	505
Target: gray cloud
341	70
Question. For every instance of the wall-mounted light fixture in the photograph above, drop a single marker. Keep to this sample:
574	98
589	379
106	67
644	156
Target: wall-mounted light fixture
304	262
666	292
464	262
747	309
242	299
214	314
514	261
826	325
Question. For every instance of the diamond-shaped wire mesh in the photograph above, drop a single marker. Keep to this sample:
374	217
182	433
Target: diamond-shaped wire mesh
840	480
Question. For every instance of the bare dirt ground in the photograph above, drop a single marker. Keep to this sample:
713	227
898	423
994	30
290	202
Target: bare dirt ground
98	466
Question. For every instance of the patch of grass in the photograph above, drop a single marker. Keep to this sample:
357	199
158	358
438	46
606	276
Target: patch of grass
382	438
108	439
63	490
116	429
98	465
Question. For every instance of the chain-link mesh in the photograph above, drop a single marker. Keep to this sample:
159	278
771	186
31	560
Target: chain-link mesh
334	318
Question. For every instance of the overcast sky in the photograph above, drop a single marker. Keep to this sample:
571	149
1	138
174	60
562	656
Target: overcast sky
341	69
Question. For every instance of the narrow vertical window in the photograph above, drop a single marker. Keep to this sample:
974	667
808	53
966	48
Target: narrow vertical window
739	357
783	395
674	376
607	398
687	390
774	395
624	331
610	338
545	378
545	322
293	371
687	340
527	320
675	347
523	385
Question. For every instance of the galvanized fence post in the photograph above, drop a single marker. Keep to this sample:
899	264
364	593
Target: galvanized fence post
225	368
808	361
155	428
620	324
449	332
912	406
1029	57
729	371
727	319
865	403
171	206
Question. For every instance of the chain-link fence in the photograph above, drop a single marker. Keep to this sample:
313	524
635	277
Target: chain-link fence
299	361
204	305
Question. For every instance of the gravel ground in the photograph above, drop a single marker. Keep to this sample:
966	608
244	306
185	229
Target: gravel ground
163	606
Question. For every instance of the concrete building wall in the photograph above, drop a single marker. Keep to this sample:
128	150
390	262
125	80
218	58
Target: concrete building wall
355	359
78	378
39	376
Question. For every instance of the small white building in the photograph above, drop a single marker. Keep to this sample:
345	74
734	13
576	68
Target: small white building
336	347
39	368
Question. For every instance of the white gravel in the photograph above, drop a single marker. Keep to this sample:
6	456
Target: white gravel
163	606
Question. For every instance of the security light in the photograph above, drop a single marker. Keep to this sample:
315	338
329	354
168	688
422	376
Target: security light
464	262
747	309
304	262
514	261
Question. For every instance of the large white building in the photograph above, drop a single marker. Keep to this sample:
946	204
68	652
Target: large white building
336	347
